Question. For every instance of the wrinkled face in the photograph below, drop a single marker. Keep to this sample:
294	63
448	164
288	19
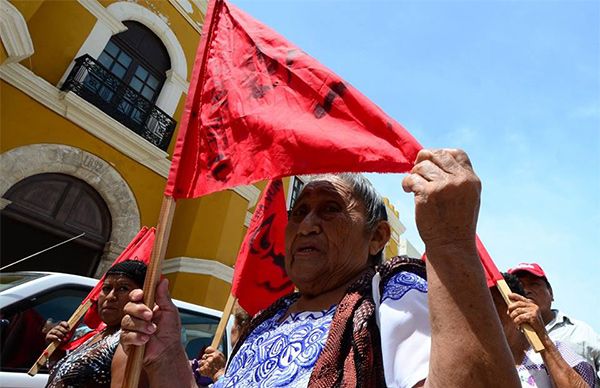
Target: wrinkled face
537	290
327	243
114	295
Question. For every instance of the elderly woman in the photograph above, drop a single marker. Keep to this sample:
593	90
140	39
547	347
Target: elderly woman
352	324
91	364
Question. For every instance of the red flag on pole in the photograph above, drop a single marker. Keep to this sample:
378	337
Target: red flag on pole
492	273
138	249
259	276
260	108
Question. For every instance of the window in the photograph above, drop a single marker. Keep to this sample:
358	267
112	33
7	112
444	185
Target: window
297	186
139	59
24	324
126	80
197	332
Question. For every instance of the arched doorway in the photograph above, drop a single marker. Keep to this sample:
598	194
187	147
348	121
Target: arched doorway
49	208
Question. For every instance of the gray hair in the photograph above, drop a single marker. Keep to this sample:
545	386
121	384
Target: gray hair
364	191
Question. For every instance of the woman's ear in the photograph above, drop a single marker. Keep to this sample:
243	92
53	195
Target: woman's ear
380	237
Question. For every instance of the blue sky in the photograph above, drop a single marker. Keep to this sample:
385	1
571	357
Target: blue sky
514	83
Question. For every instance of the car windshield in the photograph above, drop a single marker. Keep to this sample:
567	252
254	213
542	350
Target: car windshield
10	280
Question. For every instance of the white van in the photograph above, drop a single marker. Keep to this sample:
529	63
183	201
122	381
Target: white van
30	299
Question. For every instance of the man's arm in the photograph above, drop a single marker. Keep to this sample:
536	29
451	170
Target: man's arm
165	360
525	311
468	346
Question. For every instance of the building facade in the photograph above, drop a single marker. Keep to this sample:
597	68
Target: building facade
91	92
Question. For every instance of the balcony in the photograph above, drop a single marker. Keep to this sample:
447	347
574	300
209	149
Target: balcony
97	85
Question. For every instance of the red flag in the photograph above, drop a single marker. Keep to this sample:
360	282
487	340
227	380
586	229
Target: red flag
260	108
138	249
259	277
492	273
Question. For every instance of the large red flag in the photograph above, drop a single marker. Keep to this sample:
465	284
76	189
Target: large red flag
259	277
260	108
138	249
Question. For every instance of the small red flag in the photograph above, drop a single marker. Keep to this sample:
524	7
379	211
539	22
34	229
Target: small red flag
260	108
259	276
139	248
492	273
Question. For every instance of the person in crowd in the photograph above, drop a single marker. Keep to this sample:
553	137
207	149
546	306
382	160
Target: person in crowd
92	364
556	366
576	334
212	362
355	321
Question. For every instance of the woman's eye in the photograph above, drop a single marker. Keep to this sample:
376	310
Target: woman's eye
299	211
332	208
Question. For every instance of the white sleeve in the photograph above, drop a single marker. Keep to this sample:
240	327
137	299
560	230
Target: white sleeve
403	319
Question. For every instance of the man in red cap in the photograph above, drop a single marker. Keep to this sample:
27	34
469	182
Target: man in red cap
576	334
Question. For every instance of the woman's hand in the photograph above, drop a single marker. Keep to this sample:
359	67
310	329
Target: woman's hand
58	333
159	328
165	361
447	192
212	363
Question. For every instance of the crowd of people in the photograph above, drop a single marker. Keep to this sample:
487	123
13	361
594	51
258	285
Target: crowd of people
356	319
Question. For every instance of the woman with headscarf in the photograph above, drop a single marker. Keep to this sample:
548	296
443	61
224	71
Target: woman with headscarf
91	364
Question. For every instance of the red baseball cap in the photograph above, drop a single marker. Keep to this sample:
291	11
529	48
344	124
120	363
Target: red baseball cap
532	268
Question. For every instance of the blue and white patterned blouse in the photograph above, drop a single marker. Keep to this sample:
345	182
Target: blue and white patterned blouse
284	353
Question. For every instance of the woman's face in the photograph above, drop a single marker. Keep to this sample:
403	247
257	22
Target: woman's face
114	295
327	243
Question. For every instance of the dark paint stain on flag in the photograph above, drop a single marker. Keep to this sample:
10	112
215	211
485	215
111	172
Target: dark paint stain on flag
219	163
289	63
336	89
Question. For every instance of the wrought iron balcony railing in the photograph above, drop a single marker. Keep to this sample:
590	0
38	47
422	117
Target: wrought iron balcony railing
97	85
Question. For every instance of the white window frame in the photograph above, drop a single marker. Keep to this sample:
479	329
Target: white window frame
110	22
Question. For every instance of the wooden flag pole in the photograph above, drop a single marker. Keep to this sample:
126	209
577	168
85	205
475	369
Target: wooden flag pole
41	361
163	228
530	334
165	219
223	322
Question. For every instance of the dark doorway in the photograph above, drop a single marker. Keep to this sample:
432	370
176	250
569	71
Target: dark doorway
47	209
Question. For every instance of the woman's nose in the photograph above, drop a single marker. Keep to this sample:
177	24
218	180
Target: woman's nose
310	224
111	295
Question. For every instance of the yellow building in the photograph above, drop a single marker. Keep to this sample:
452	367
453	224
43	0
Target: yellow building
91	93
